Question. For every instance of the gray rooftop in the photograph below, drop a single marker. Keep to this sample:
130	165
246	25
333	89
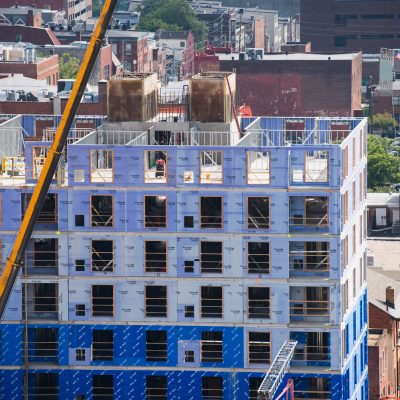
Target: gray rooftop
296	57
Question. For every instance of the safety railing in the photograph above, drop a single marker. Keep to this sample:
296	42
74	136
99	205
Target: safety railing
299	222
312	394
259	308
302	309
155	221
156	307
311	355
211	308
308	261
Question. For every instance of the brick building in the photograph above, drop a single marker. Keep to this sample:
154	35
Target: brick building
75	9
37	36
131	47
334	25
384	314
26	16
103	68
22	59
305	84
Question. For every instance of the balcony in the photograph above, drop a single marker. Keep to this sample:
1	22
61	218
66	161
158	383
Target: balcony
309	259
312	349
309	304
41	300
41	257
309	214
41	346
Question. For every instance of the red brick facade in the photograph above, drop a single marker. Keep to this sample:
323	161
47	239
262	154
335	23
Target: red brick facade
383	363
44	69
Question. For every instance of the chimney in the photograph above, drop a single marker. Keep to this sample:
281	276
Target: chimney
390	296
30	18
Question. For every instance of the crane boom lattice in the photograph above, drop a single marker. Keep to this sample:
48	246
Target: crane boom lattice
277	371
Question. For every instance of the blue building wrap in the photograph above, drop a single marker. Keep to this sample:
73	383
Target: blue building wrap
177	271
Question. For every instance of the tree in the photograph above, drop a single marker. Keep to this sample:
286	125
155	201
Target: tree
69	66
383	122
173	15
383	168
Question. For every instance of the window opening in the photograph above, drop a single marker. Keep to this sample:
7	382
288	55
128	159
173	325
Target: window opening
155	256
103	387
258	257
156	301
258	167
155	211
316	166
156	345
102	166
80	310
48	213
254	385
316	210
211	167
102	255
211	212
189	311
258	302
211	257
80	354
101	211
211	302
155	166
102	300
189	356
259	347
211	388
103	345
46	386
211	347
156	387
258	212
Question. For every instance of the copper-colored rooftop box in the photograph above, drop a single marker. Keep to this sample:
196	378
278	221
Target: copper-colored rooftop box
132	97
211	96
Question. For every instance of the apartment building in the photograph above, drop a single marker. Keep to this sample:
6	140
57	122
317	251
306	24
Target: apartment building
171	260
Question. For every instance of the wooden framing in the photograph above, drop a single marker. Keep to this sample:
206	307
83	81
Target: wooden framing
108	223
305	253
250	305
148	224
221	226
267	172
39	154
92	298
211	315
164	178
354	240
260	344
208	180
345	251
99	254
157	261
155	314
214	255
266	270
105	179
354	153
345	207
248	218
353	197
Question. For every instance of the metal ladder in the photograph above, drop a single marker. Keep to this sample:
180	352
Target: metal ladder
276	372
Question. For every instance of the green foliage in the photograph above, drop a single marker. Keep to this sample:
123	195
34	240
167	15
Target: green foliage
69	66
384	122
383	168
173	15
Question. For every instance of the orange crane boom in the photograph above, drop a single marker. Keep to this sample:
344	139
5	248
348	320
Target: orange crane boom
11	267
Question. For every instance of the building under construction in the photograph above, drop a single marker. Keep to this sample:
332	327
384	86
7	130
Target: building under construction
181	245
